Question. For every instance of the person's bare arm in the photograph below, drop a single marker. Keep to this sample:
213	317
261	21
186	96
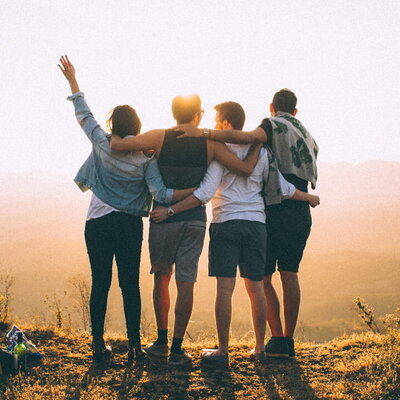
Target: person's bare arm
150	140
202	195
222	154
180	194
257	135
312	199
160	214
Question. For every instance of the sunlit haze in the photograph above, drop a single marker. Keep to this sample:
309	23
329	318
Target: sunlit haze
341	58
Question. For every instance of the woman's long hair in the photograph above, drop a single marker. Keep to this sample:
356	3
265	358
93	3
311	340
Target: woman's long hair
124	121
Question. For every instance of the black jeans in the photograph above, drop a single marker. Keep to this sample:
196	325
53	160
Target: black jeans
116	234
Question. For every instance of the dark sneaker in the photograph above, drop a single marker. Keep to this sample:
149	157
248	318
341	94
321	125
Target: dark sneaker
136	355
180	359
157	350
277	347
210	358
260	357
290	343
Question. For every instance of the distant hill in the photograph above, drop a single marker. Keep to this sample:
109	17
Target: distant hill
345	186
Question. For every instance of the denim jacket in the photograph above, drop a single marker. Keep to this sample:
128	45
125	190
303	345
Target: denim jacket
123	180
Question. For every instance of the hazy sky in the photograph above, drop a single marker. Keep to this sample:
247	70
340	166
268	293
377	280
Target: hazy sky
341	58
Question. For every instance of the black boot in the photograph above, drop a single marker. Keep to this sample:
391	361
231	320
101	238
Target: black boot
101	352
136	355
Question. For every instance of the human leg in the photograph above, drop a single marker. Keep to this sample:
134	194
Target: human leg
258	311
291	301
161	299
223	312
101	254
163	240
128	235
186	266
183	307
272	307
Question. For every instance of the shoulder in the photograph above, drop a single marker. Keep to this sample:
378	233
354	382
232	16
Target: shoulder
266	125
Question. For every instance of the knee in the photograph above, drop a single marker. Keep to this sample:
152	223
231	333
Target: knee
128	288
254	288
289	278
101	284
161	280
184	291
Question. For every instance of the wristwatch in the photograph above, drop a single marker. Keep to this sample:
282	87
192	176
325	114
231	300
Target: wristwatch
206	133
170	212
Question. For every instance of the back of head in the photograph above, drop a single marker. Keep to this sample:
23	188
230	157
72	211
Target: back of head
124	121
284	100
184	108
232	112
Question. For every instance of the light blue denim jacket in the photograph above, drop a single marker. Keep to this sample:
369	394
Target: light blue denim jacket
123	180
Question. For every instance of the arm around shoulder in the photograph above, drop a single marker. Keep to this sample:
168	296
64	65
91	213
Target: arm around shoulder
229	160
146	141
256	136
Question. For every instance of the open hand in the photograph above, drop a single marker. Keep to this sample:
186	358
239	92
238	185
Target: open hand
159	214
188	131
67	68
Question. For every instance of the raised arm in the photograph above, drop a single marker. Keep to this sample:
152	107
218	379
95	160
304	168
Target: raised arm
221	153
69	72
82	111
257	135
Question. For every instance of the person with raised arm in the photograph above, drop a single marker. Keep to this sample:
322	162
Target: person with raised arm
288	223
237	232
122	184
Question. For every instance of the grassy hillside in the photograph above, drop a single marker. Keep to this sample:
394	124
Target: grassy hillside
364	366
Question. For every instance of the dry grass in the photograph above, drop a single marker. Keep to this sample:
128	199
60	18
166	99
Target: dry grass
357	367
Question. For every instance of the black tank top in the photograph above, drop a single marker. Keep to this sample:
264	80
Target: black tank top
183	164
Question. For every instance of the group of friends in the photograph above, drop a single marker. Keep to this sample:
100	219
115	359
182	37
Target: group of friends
258	187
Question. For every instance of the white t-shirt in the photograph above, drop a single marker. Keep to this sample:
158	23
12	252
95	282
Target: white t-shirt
98	208
238	197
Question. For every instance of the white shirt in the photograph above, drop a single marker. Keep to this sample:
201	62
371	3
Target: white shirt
98	208
238	197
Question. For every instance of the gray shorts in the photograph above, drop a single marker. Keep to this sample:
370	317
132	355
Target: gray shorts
178	243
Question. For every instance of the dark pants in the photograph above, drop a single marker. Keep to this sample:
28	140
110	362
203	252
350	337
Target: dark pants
120	235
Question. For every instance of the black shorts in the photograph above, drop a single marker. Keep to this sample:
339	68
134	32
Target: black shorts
288	228
237	242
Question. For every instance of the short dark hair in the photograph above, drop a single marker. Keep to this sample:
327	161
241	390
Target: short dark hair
284	100
233	113
184	108
124	121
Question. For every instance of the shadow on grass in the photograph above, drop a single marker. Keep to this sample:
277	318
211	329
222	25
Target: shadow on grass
94	372
130	380
285	378
162	381
220	382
